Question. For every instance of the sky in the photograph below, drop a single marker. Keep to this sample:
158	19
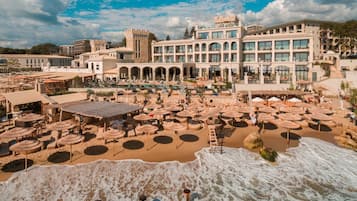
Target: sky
24	23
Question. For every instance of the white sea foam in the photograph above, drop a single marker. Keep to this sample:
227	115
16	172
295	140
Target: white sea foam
316	170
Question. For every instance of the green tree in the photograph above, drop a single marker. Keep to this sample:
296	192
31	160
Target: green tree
168	37
123	42
44	48
186	35
193	31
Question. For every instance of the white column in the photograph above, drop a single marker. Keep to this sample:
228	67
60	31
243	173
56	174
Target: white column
277	76
229	75
245	77
261	76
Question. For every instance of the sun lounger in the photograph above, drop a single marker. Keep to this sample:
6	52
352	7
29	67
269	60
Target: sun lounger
4	149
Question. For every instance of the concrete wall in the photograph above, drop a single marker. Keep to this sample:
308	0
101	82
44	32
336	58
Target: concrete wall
258	87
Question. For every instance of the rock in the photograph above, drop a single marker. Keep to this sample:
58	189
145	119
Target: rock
268	154
253	141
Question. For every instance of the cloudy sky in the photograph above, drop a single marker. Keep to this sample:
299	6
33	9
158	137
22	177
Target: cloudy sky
27	22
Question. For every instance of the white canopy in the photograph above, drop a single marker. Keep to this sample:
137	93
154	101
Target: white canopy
294	100
257	99
274	99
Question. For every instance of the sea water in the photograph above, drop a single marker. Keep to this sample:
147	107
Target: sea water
315	170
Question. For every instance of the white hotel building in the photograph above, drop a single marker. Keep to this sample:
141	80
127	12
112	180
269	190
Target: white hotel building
282	54
228	51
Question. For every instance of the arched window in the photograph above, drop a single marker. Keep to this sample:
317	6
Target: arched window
203	47
234	46
215	47
302	72
226	46
283	71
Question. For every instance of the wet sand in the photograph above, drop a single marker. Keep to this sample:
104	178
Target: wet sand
177	150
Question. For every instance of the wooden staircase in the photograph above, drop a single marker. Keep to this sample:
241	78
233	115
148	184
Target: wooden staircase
213	141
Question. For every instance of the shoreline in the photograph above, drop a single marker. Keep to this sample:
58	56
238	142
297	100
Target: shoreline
161	153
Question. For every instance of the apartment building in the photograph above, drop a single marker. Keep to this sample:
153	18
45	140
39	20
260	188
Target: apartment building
66	50
35	61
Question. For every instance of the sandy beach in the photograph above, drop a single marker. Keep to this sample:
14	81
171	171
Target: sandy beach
174	151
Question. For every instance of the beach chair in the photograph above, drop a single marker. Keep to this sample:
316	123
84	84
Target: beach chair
131	133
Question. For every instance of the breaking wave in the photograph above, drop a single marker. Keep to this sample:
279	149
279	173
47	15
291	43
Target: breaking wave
315	170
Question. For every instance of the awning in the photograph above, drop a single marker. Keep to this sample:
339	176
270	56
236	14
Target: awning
24	97
100	110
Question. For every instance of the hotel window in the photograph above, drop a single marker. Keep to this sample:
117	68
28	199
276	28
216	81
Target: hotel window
283	71
203	58
301	44
265	57
158	50
226	58
203	35
189	48
180	59
217	34
233	57
214	58
169	59
277	30
301	56
189	58
158	59
281	56
232	34
197	58
249	46
249	57
215	47
97	67
203	47
226	46
169	49
180	49
250	70
282	44
266	45
197	47
301	72
234	46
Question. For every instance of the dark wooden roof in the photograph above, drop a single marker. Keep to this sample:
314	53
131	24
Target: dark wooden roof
100	110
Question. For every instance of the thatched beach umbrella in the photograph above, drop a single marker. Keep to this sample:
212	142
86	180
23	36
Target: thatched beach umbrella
320	117
290	117
25	147
146	129
113	135
143	117
264	117
267	110
294	110
288	125
70	140
17	133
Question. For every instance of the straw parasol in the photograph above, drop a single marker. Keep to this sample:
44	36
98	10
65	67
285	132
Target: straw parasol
288	125
70	140
246	110
26	147
278	105
320	117
186	114
174	108
267	110
232	114
174	126
294	110
113	135
32	117
17	133
263	117
146	129
321	111
160	112
63	125
290	117
143	117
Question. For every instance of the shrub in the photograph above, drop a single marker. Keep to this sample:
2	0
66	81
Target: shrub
268	154
104	93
